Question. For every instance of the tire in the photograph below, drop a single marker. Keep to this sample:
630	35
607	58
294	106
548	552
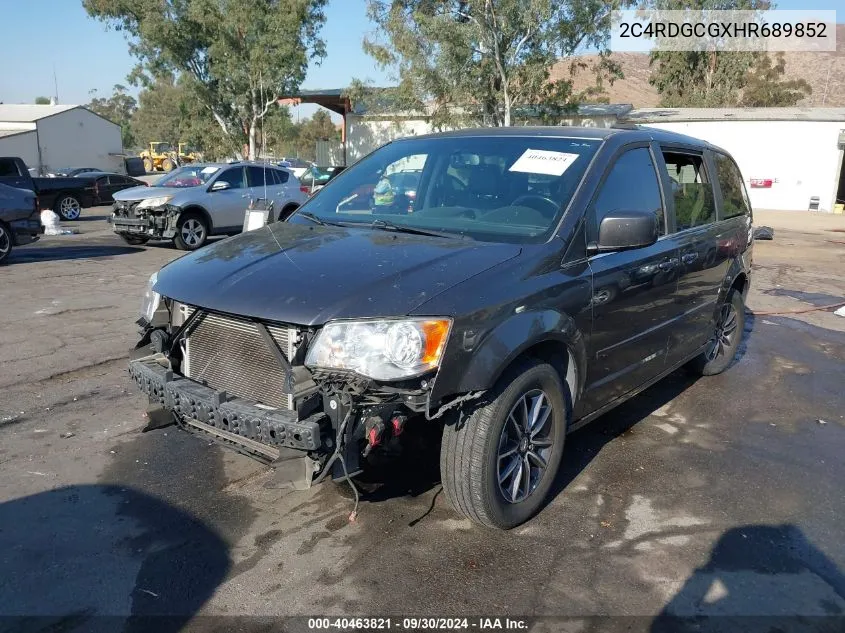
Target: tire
470	458
286	212
167	165
135	240
68	207
723	344
5	243
148	165
191	232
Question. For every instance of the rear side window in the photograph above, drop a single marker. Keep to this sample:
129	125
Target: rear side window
8	168
692	190
734	196
256	177
631	185
280	177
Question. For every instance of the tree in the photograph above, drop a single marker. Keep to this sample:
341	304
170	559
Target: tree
765	85
118	108
710	78
42	100
237	56
318	128
480	60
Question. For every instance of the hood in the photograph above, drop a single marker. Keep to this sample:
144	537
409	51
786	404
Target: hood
142	193
308	275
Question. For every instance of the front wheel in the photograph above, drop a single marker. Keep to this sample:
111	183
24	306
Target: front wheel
724	342
5	243
191	232
68	207
167	165
498	464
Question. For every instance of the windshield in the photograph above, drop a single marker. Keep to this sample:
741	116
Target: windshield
191	176
490	188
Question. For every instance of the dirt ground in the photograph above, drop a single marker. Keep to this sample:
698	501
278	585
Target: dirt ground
721	496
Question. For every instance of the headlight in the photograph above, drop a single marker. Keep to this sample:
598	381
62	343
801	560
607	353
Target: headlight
151	299
151	203
382	350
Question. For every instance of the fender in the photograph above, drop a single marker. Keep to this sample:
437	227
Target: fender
475	362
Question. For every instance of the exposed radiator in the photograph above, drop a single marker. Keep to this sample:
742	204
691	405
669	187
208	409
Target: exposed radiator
228	354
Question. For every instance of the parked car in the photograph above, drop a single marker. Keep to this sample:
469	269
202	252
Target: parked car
66	196
72	171
315	178
296	166
202	199
20	221
104	185
483	311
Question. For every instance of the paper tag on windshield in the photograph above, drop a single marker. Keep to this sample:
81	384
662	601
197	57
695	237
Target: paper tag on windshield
541	161
209	170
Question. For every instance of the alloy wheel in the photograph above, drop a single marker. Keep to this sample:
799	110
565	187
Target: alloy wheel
725	335
5	242
193	232
70	208
525	446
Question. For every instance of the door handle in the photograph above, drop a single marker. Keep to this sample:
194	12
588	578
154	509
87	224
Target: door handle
689	258
669	264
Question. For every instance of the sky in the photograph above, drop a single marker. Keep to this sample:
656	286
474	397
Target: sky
37	36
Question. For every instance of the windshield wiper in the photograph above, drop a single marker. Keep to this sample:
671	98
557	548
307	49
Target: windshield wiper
317	220
400	228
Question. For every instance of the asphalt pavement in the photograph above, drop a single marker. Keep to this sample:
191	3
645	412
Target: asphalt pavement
718	496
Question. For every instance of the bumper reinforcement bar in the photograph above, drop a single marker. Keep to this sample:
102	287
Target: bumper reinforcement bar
261	432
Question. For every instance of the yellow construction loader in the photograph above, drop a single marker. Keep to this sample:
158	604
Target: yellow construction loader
160	157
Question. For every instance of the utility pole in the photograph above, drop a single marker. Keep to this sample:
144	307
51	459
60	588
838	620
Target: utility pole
55	87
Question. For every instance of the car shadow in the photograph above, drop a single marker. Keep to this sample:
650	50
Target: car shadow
759	578
105	558
89	218
58	253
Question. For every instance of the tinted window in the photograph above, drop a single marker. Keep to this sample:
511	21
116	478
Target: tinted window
484	186
631	185
234	176
734	196
256	177
281	177
190	176
8	168
691	188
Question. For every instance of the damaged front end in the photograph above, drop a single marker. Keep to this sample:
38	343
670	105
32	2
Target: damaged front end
152	218
287	394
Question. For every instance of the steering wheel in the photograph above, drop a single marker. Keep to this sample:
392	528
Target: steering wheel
526	200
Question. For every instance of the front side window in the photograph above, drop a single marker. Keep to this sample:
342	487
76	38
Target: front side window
631	185
489	188
734	196
8	168
234	176
691	189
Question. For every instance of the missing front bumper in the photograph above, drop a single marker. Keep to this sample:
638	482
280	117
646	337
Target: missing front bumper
261	432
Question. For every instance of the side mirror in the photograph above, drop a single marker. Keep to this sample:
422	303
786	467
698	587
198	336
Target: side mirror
220	185
625	230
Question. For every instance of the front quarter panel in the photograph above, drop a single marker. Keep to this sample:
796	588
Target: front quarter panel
505	312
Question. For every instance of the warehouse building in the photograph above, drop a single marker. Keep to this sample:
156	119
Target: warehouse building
791	158
50	137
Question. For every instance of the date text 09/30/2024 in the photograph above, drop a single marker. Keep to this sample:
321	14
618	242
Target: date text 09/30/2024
416	624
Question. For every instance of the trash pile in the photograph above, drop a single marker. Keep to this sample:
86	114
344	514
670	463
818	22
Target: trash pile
50	221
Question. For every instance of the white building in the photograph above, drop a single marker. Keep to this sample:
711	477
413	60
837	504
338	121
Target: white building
787	155
50	137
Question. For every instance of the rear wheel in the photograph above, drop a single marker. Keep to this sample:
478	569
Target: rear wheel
498	464
724	342
191	232
68	207
167	165
286	212
5	243
135	240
